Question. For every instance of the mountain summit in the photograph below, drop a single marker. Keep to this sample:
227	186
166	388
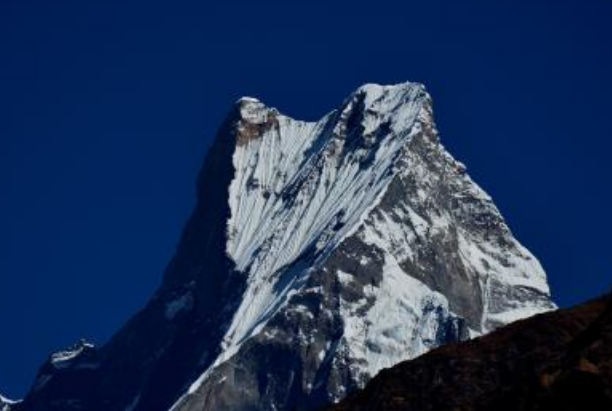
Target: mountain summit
318	254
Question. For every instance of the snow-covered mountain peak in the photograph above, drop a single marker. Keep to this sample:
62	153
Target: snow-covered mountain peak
294	180
301	189
390	107
253	119
371	104
318	254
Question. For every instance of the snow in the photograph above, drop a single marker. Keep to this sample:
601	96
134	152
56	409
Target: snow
303	187
394	328
265	234
62	359
345	278
4	400
326	186
6	403
247	99
522	270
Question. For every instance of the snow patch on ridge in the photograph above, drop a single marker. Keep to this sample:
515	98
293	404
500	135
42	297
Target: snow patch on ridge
6	403
63	359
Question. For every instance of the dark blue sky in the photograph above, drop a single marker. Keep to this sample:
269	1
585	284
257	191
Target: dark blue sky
106	110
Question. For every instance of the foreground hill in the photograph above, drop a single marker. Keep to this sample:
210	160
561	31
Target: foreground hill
558	361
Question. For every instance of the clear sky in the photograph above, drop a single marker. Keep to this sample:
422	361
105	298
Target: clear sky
106	110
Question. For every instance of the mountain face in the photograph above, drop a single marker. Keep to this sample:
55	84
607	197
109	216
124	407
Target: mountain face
559	361
318	254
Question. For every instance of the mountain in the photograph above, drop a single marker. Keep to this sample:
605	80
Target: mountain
318	254
559	361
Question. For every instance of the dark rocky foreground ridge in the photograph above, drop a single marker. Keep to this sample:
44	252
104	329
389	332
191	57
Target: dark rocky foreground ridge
558	361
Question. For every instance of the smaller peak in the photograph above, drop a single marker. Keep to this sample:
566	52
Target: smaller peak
249	106
253	110
371	93
253	118
387	99
246	104
370	88
6	401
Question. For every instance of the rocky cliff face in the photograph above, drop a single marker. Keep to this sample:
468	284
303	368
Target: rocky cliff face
560	361
318	254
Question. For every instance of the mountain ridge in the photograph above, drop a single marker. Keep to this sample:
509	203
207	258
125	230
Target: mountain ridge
5	403
325	250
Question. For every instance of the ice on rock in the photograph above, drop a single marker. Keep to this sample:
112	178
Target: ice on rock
62	359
